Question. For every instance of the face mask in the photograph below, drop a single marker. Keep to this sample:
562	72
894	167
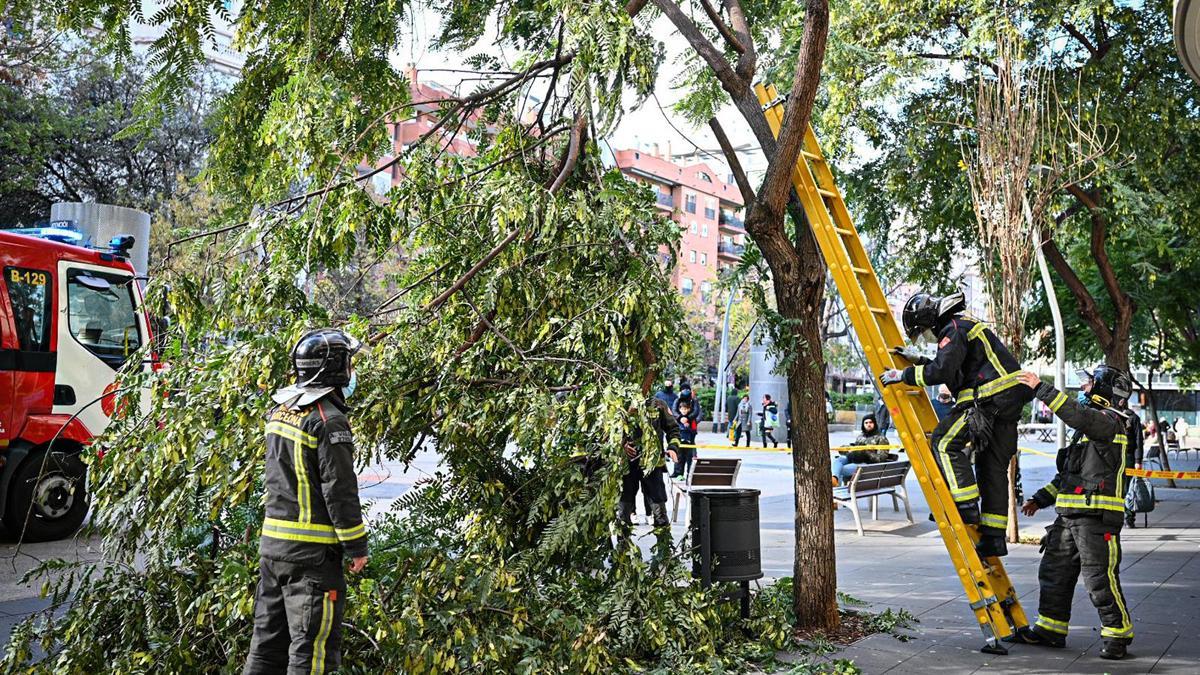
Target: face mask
1083	399
348	390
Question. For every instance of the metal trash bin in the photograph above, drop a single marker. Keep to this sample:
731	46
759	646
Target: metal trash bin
725	535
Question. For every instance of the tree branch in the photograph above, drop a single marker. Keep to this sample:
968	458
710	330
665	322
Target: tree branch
571	159
705	49
777	183
741	27
726	32
735	165
1088	309
1082	39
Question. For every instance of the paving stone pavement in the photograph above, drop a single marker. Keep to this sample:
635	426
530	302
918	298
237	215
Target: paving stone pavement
894	565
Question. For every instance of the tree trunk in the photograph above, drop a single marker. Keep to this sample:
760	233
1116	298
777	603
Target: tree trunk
814	566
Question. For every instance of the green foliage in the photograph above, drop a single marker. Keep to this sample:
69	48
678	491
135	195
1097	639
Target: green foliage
903	81
850	401
61	136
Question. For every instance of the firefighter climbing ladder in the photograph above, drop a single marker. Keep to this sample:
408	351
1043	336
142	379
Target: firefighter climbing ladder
987	586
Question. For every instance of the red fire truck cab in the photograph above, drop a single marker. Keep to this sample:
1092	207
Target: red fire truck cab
70	318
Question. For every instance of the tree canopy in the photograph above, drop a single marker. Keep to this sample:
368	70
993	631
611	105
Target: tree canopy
899	103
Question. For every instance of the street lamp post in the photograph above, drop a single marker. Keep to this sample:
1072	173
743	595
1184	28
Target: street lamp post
1060	349
723	364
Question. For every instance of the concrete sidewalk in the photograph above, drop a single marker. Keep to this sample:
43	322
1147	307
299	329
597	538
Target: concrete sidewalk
895	565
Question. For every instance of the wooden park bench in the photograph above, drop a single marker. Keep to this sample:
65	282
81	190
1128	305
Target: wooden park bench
873	480
706	473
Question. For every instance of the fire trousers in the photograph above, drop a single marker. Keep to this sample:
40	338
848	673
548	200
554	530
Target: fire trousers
297	618
1082	545
987	480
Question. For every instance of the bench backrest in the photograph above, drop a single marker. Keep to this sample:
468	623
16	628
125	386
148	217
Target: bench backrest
879	476
714	472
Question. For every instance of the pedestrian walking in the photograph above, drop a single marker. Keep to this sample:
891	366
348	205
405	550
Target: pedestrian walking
768	420
744	412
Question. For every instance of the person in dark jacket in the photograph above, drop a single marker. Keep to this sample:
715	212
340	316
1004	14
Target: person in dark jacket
845	465
667	394
768	419
686	394
943	404
976	365
1088	494
647	466
313	515
688	426
744	411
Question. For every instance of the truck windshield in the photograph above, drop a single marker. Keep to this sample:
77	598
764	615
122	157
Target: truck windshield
103	319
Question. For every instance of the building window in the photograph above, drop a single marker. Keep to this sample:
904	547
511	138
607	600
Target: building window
710	209
704	229
685	286
693	255
703	259
704	177
689	203
693	227
705	291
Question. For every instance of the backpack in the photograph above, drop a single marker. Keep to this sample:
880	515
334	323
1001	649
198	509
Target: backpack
1140	496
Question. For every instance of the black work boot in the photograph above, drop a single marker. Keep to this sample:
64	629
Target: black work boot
1113	650
1029	635
992	546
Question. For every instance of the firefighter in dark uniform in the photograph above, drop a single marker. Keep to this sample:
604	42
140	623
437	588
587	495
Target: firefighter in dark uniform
648	467
313	516
983	375
1088	492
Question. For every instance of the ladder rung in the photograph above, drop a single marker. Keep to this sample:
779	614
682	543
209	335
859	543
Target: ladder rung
812	155
843	231
880	310
860	270
826	193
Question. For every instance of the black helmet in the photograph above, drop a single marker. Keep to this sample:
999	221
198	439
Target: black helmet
923	311
1110	386
322	358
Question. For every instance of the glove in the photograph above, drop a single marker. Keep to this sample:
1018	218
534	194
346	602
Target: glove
891	377
911	355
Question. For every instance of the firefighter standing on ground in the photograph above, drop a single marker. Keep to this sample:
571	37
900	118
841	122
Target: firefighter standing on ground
1088	494
976	365
313	515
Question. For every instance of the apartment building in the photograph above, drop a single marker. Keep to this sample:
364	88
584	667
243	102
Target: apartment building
707	207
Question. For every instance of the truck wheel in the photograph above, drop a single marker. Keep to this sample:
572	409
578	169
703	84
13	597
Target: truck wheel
47	502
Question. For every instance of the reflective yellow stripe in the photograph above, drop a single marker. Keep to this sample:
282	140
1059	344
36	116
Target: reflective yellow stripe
977	333
291	433
1058	401
293	525
300	440
1102	502
990	388
1122	441
919	375
994	520
318	658
944	457
351	533
1126	629
966	494
1052	625
295	536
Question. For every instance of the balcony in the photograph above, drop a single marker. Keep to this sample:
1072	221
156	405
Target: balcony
665	199
734	250
730	220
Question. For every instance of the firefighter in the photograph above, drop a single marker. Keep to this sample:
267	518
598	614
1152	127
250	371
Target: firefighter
313	516
1088	495
647	468
981	371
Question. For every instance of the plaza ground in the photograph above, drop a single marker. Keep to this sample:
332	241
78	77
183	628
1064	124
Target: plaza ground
896	565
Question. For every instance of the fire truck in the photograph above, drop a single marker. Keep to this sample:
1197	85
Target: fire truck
70	318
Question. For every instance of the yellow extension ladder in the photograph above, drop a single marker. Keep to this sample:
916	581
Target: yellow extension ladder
988	588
